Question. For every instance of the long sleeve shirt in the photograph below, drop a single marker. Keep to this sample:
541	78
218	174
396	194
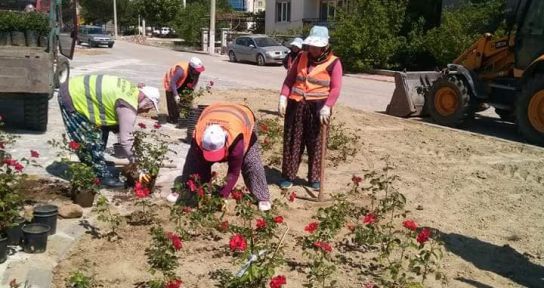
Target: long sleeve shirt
235	160
335	71
190	82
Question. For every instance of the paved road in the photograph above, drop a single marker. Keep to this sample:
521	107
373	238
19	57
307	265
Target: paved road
148	64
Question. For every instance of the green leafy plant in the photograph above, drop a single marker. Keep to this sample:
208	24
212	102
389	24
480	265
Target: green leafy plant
150	149
188	97
106	215
342	144
162	256
82	177
79	279
11	176
256	244
318	245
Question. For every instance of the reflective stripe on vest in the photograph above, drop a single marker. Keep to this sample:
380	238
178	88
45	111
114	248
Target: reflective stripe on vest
314	85
96	96
168	76
236	119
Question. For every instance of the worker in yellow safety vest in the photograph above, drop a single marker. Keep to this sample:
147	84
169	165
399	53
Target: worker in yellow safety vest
94	105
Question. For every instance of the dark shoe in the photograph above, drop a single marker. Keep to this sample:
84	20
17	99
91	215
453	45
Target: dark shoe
315	186
111	182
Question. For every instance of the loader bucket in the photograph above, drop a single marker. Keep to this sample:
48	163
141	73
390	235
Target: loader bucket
409	96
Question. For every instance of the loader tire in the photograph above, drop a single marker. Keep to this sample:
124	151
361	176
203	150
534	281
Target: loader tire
530	110
448	102
35	112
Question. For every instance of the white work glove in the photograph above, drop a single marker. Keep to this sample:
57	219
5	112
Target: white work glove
282	105
325	115
177	98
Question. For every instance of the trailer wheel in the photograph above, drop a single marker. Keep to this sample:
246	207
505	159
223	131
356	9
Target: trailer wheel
530	110
448	102
35	110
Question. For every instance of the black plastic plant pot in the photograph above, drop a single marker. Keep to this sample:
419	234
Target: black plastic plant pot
46	214
35	237
3	248
14	233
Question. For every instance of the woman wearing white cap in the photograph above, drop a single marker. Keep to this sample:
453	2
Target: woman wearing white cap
296	48
183	75
225	133
309	92
107	103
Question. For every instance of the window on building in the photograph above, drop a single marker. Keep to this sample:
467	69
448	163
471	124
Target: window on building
328	8
283	11
260	4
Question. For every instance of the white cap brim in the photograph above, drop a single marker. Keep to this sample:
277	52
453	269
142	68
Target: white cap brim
316	41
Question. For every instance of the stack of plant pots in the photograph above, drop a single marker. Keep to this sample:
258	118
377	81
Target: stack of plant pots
23	29
192	119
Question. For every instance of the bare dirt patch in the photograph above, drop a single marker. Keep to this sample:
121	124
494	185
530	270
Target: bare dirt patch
484	195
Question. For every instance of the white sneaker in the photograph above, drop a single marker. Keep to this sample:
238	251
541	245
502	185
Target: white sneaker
265	205
172	197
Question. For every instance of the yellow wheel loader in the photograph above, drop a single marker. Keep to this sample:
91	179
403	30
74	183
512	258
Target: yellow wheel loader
506	73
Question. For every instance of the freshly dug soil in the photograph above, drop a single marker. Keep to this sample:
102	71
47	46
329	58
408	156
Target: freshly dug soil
484	195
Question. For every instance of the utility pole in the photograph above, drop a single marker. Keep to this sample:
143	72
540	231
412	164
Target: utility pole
115	18
211	49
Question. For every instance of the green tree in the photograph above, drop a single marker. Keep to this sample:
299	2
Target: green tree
190	20
158	12
367	34
101	11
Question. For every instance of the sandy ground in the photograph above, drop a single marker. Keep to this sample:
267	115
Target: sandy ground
484	195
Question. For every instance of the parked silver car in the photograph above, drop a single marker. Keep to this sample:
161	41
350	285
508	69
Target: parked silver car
94	36
260	49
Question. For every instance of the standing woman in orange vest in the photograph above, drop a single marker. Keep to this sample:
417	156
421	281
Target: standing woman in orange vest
309	92
225	132
296	48
180	77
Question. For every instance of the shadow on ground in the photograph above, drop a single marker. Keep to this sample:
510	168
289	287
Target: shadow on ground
502	260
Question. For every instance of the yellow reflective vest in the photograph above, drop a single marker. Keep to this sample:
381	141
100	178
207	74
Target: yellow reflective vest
96	96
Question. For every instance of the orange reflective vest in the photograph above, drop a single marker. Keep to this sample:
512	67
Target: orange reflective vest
236	119
314	85
168	76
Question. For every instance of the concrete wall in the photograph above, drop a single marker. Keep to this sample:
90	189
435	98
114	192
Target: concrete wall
299	9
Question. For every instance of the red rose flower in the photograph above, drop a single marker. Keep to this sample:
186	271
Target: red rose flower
195	176
326	247
237	243
351	227
410	225
157	125
191	184
74	145
292	196
200	192
176	241
263	128
266	142
310	228
140	191
423	236
34	154
19	167
2	145
369	219
278	219
10	162
369	285
356	180
187	209
261	224
142	125
97	181
174	284
223	226
278	281
237	195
